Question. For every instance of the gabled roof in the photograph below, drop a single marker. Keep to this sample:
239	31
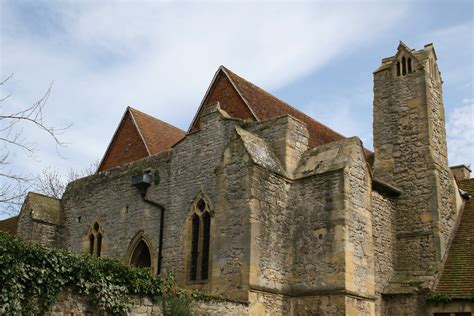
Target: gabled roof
418	55
157	135
9	225
138	135
457	279
262	105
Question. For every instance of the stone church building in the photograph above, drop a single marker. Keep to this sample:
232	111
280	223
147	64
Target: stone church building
261	203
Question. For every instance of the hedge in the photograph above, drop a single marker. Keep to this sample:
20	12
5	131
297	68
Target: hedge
32	276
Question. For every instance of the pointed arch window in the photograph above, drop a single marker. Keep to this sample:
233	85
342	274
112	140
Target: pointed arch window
95	237
200	242
142	253
141	257
398	69
409	65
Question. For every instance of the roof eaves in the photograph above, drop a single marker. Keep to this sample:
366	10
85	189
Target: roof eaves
204	99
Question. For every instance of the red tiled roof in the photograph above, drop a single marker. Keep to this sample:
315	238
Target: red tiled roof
457	279
9	225
157	135
257	103
139	135
266	106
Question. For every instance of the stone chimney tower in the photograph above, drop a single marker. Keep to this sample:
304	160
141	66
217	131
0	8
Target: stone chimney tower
411	154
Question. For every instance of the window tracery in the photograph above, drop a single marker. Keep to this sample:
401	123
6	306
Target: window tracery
95	237
200	242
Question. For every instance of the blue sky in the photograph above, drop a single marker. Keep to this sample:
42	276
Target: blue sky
160	57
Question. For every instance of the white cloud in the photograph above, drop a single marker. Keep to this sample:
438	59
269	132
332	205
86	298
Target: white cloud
460	134
160	58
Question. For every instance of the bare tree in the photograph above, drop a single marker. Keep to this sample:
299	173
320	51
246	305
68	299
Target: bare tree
12	123
52	182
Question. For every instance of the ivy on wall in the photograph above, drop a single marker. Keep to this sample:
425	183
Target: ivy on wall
32	276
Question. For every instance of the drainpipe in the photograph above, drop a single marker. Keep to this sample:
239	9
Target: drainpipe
142	182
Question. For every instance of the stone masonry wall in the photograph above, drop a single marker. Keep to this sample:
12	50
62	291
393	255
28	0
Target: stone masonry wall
360	248
231	241
383	217
271	251
192	173
265	303
70	304
109	199
25	225
321	305
45	234
332	232
288	138
408	125
186	172
405	304
316	204
445	188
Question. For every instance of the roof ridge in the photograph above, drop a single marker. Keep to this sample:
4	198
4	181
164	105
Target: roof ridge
276	98
156	119
138	127
234	84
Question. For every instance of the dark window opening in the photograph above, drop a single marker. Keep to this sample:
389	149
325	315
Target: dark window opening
409	65
205	246
404	66
99	244
462	314
194	247
398	69
95	239
91	244
201	205
141	257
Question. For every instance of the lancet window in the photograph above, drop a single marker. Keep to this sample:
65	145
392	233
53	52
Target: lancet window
200	242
